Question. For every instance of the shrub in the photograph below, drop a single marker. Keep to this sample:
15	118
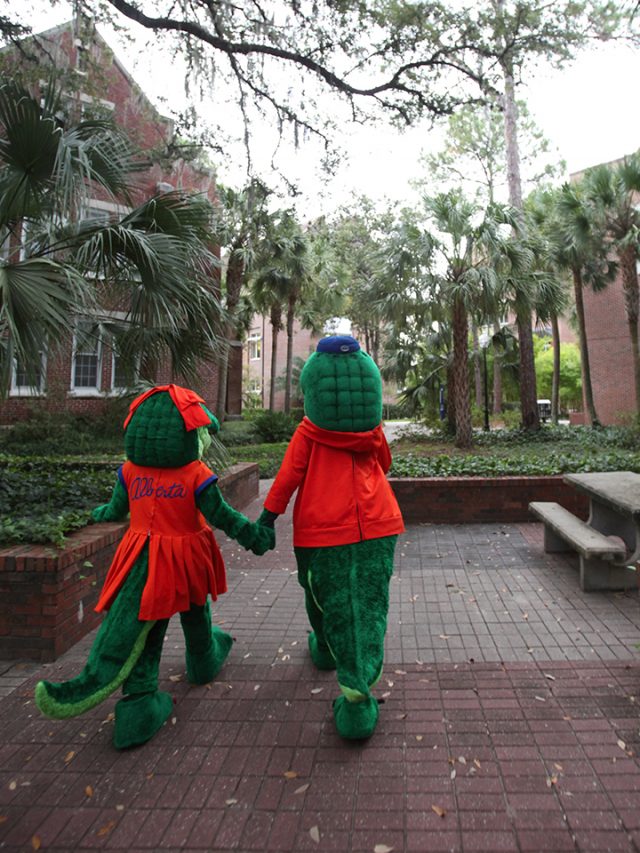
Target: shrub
273	427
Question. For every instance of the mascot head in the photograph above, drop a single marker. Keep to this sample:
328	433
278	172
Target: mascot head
168	427
342	386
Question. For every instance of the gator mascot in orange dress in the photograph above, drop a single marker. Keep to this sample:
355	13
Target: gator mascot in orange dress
167	562
345	522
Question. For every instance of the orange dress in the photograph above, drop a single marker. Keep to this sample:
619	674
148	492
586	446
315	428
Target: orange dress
185	563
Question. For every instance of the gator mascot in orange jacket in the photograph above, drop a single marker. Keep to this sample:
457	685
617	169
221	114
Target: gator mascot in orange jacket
167	562
345	523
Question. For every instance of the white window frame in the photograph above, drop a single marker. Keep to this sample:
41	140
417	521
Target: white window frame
39	390
85	390
254	340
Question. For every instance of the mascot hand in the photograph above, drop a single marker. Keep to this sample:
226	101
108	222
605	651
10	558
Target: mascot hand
104	513
264	539
267	518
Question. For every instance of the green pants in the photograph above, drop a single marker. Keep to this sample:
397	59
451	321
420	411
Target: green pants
347	599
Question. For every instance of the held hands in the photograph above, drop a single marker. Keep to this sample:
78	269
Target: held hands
265	536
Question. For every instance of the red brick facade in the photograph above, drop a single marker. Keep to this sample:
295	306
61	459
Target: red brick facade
115	92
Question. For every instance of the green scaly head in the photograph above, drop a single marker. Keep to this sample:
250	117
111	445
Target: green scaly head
156	435
342	386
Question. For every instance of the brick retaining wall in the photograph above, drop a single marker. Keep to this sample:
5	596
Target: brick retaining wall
468	500
47	595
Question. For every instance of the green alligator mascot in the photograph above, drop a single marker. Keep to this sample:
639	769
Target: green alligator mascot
345	522
167	562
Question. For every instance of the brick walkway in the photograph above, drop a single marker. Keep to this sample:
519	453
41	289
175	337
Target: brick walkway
510	722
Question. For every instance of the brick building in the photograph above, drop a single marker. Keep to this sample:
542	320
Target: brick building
84	375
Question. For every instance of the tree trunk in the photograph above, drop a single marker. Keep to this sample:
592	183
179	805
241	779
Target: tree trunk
587	388
291	309
497	375
528	401
234	280
477	373
628	266
276	326
451	398
464	432
528	396
555	381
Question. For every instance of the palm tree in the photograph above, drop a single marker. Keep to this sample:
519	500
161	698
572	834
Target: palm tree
240	220
282	271
153	262
469	278
577	246
613	190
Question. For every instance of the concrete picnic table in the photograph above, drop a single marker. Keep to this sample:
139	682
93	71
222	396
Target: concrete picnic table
614	498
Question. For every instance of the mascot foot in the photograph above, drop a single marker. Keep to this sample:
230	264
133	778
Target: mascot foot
203	667
320	654
139	717
355	720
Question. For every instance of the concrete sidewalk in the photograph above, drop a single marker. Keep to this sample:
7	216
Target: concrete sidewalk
510	721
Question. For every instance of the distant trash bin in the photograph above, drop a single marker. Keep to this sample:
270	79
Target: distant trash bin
544	410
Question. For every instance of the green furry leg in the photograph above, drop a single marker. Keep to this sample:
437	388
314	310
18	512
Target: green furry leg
207	646
355	720
321	653
120	641
349	587
139	717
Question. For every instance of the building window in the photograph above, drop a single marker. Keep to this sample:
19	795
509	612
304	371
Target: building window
29	383
87	358
122	377
255	347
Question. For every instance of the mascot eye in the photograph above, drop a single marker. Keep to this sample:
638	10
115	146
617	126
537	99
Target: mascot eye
344	348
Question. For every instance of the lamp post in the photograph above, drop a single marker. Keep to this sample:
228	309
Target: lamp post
483	340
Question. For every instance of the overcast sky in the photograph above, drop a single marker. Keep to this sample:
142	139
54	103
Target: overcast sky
585	111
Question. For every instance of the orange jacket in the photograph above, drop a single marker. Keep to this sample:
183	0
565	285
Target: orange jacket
343	493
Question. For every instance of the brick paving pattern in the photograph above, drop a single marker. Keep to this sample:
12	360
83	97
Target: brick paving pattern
510	721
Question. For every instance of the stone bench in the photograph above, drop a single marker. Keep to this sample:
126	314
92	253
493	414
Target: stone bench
601	557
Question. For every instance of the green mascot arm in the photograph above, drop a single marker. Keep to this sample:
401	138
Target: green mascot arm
116	509
254	536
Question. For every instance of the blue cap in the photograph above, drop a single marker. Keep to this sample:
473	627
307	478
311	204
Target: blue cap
338	344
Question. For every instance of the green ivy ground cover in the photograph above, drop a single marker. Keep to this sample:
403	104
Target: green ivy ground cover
43	498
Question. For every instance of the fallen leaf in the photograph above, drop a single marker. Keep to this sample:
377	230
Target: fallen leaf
443	636
231	802
290	774
89	791
552	780
386	695
256	687
549	676
558	766
317	689
622	744
539	699
175	678
69	756
36	843
174	720
301	789
382	848
106	829
399	672
314	832
390	683
525	616
419	737
119	807
462	759
477	763
439	810
453	774
13	785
